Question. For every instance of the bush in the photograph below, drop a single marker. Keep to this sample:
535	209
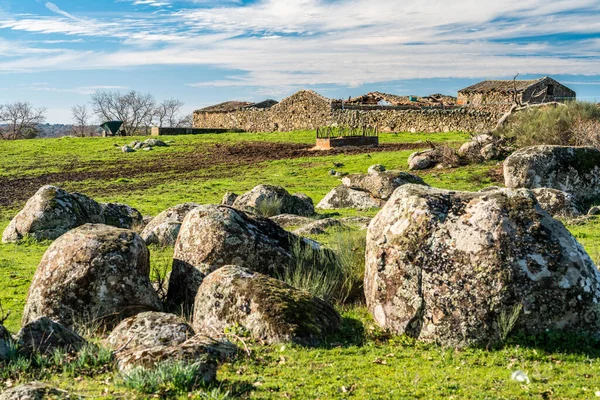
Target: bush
570	125
269	207
334	275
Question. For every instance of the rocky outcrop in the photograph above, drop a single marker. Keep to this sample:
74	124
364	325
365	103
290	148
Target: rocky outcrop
268	196
51	212
446	266
268	308
45	336
34	391
367	191
149	329
557	203
575	170
164	228
94	272
214	236
6	343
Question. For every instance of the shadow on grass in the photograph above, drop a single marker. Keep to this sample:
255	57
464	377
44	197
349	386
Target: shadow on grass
559	342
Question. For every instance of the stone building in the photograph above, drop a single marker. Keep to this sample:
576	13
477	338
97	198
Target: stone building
307	109
499	95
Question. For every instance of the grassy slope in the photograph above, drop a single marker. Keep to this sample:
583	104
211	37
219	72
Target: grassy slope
411	370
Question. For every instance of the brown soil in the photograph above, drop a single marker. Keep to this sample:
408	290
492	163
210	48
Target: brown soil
210	161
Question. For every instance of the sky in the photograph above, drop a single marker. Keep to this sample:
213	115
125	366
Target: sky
202	52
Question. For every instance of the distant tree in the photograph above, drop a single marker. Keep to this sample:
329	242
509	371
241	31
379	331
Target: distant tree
81	121
21	120
167	114
136	110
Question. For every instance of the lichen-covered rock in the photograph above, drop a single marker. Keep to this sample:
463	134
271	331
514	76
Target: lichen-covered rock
229	198
94	272
34	391
319	227
380	185
164	228
298	204
375	169
149	329
45	336
121	216
288	220
6	343
493	151
271	310
155	143
344	197
557	203
444	266
51	212
127	149
421	160
575	170
472	150
213	236
200	350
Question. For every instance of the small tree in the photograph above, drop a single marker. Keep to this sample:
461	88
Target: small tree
21	120
167	115
81	121
136	110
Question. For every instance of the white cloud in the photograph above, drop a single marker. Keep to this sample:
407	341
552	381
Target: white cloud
54	8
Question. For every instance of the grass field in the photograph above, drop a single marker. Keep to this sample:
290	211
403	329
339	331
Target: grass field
363	361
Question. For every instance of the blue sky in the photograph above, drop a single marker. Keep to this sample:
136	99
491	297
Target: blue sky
55	54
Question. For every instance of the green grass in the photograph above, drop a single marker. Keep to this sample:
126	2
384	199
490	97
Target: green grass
361	362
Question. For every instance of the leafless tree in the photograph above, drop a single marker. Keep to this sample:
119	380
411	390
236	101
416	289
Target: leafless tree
81	121
136	110
21	120
167	115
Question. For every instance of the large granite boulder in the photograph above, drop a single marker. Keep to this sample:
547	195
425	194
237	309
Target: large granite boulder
256	199
51	212
557	203
45	336
34	391
6	343
380	185
164	228
344	197
213	236
271	310
575	170
149	329
446	266
92	273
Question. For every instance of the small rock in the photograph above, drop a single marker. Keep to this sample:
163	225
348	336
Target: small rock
289	220
319	227
127	149
520	376
45	336
344	197
155	143
229	199
253	200
34	391
164	228
375	169
594	210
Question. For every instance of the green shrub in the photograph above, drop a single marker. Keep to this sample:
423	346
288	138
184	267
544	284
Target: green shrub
349	246
269	207
170	376
554	125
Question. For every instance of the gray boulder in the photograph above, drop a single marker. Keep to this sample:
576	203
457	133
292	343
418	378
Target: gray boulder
445	267
92	273
575	170
155	143
45	336
214	236
557	203
289	220
256	200
51	212
380	185
6	343
164	228
344	197
421	160
319	227
268	308
149	329
34	391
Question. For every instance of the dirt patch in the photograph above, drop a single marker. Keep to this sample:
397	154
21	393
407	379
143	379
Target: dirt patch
210	161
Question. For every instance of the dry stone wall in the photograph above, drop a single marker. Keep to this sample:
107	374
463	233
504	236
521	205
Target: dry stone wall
308	110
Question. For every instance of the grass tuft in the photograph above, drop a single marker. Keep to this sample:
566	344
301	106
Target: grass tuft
269	207
170	376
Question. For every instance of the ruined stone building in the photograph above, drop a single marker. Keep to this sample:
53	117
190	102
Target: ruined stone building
498	95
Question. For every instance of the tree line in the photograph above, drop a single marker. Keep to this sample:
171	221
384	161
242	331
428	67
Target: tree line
138	111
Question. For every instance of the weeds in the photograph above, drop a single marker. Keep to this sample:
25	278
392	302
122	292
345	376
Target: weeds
159	273
269	207
349	247
507	321
171	376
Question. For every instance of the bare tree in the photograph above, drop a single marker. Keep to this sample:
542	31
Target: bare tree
81	121
21	120
167	114
134	109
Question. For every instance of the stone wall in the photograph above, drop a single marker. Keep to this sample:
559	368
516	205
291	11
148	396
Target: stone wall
309	110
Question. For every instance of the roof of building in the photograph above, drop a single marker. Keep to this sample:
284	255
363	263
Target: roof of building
506	86
263	104
227	106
